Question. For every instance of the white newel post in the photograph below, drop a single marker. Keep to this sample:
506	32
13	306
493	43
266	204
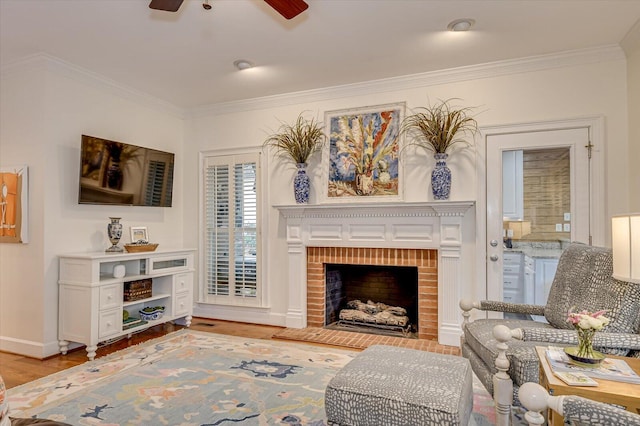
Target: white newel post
437	225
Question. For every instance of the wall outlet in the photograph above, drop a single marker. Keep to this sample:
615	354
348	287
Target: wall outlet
567	217
558	227
566	227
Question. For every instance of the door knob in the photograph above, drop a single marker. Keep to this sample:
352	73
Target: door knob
494	257
494	243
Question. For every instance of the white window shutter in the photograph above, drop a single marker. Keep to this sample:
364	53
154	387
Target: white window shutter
231	229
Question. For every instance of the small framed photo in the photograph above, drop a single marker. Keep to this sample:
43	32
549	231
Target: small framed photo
139	233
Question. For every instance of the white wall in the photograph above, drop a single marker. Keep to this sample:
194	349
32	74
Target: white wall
633	81
21	271
593	86
46	106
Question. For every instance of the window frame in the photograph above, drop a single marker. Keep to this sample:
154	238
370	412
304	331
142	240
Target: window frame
234	156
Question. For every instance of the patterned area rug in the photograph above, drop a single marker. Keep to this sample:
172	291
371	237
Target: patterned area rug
196	378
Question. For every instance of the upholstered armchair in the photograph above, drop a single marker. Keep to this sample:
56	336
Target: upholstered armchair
583	281
577	410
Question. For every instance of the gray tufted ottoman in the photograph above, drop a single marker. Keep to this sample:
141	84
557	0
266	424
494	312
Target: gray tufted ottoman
387	385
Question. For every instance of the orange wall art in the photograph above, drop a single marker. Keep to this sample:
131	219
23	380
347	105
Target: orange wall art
13	204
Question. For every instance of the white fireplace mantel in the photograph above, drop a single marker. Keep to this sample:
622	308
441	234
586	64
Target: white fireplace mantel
425	225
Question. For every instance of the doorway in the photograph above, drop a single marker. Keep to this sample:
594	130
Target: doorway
541	194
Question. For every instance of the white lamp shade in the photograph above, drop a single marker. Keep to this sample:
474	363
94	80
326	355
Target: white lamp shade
625	233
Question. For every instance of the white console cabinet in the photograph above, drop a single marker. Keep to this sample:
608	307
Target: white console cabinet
91	293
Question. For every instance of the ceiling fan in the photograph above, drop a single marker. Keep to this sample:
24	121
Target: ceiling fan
287	8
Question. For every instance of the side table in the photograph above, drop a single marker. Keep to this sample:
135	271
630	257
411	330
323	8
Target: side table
626	395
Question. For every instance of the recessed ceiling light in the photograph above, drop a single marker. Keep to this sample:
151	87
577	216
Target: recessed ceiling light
463	24
242	64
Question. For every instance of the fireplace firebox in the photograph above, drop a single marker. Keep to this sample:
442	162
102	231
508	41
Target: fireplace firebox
424	261
371	298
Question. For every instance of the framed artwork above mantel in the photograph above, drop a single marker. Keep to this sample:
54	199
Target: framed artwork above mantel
361	161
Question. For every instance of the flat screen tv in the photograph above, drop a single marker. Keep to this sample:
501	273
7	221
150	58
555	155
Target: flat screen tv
118	173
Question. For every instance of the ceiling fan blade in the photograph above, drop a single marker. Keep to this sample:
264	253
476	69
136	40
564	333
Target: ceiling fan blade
168	5
288	8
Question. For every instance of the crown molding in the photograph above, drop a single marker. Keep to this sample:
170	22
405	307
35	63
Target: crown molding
43	61
412	81
631	41
432	78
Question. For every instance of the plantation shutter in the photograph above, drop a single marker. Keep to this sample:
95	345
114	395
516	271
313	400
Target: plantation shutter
155	180
158	180
231	227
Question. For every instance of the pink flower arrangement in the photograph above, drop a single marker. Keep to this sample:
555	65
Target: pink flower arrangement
588	320
586	324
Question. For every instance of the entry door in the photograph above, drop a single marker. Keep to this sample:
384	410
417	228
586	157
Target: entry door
537	202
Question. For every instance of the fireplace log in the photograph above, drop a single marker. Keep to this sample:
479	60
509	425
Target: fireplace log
374	313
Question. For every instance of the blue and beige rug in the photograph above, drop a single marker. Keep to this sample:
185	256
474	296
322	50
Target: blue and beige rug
191	378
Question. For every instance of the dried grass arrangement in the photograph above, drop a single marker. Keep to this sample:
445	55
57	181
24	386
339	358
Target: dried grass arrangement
438	127
297	142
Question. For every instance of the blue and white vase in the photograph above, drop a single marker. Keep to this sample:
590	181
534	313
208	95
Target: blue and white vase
441	178
301	184
114	232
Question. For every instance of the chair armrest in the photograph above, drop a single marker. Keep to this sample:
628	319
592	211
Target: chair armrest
577	409
570	337
515	308
493	305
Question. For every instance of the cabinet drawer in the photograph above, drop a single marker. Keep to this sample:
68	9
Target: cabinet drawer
512	296
512	259
182	304
170	264
109	323
184	282
511	269
511	282
110	296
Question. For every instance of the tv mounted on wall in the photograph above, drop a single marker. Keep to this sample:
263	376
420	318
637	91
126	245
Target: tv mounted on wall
117	173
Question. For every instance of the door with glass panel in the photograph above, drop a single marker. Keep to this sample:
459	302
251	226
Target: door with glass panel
537	203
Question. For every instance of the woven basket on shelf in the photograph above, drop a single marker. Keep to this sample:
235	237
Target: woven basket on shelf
137	248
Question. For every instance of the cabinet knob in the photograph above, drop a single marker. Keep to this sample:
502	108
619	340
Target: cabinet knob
494	257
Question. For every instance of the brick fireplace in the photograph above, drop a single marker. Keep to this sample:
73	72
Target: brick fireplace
430	236
425	260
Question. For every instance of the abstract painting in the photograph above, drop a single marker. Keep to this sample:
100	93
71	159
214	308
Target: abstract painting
361	159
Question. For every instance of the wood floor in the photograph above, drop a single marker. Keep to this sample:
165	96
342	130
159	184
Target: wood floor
18	369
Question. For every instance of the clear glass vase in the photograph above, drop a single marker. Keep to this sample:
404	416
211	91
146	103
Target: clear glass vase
585	345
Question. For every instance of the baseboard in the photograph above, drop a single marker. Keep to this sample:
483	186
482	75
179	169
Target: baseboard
28	348
239	314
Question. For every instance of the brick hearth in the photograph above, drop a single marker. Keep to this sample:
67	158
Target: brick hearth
426	260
